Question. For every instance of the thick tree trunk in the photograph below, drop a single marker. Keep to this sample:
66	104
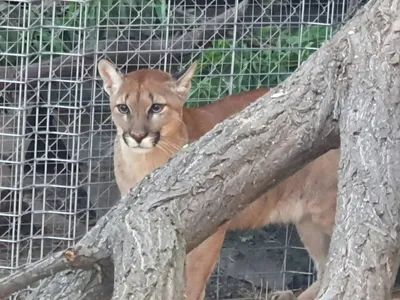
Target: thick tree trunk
143	237
364	254
140	244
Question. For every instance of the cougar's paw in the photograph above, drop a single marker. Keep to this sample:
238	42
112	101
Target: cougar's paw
282	295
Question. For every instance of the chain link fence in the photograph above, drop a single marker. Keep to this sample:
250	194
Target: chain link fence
56	135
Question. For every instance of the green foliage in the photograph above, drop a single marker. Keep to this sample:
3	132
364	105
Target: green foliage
262	61
228	66
51	33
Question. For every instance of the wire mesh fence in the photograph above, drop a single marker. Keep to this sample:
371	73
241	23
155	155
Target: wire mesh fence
56	134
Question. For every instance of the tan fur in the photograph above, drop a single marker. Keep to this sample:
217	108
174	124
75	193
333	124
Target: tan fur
139	90
307	199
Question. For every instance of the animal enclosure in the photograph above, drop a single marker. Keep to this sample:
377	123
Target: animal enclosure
57	136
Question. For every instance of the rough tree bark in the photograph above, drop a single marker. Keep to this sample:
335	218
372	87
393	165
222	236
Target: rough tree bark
140	244
364	254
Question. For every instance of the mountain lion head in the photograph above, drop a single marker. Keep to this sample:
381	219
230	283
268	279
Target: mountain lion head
146	105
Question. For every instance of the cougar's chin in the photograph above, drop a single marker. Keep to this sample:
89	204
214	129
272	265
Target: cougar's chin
141	150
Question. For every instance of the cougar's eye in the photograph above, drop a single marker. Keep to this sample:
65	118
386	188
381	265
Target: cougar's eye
123	109
156	108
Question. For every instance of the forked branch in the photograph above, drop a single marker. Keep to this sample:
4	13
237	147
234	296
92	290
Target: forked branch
175	208
72	258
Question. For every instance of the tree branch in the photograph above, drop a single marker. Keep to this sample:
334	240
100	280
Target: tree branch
175	208
72	258
217	179
207	184
365	249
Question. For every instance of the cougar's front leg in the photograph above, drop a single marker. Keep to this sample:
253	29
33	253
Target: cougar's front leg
317	244
200	263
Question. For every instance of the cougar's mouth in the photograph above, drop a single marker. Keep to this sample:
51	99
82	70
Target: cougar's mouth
147	143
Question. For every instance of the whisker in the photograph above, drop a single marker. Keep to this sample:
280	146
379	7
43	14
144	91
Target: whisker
174	138
171	150
164	149
175	141
174	146
178	147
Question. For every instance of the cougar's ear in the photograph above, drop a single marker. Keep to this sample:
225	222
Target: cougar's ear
184	80
112	78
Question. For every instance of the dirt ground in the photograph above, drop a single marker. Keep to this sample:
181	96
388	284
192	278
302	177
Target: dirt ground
254	263
233	289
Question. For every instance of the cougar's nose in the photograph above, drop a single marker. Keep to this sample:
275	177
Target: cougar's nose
138	137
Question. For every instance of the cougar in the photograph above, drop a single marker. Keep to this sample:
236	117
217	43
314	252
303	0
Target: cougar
147	108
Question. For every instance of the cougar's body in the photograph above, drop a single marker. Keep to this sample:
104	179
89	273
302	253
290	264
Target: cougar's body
153	125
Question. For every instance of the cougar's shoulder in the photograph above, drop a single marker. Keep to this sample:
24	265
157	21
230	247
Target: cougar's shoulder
202	119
